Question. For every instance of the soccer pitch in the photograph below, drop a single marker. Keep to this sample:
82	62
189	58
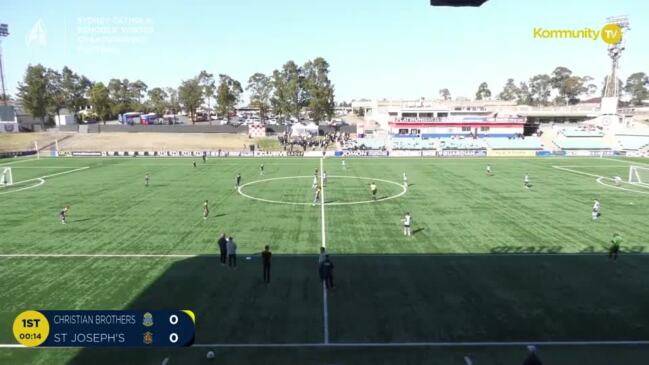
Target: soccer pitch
491	265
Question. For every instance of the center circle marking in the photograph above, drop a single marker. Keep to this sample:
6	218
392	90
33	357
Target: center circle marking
240	190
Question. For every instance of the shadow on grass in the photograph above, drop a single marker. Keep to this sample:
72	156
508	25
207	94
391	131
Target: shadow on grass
395	298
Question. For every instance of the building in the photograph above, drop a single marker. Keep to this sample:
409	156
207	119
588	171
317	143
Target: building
8	119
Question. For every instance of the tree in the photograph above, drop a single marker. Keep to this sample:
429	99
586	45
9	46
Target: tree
75	89
228	95
290	95
523	94
260	87
136	91
33	91
206	80
100	101
569	87
510	91
636	86
190	95
121	98
157	100
445	94
56	95
540	88
483	92
319	92
173	105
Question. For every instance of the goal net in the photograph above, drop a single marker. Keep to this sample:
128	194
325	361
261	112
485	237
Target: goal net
639	175
6	178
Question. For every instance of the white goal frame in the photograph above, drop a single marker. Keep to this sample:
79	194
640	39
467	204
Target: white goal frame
634	176
6	177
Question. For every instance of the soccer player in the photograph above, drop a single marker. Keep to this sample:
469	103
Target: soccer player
617	180
526	182
405	181
265	258
614	250
316	197
344	165
204	156
206	211
407	222
315	182
596	206
261	169
489	170
194	163
146	179
373	190
237	181
324	178
63	214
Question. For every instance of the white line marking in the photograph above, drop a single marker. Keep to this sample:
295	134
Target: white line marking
19	161
403	190
325	302
41	182
599	181
625	161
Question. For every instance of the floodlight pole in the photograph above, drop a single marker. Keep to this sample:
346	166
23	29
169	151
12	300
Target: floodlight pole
4	32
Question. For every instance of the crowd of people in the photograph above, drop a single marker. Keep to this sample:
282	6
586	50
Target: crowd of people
312	142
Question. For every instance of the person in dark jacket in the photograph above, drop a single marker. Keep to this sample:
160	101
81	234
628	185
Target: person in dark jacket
265	258
222	248
328	272
532	358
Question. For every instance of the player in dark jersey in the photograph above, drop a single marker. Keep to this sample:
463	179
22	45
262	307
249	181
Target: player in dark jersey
261	169
63	214
194	163
237	181
206	210
204	156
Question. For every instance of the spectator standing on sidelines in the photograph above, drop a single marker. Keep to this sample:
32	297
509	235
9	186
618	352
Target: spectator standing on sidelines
532	358
321	259
231	247
614	250
223	250
265	258
328	272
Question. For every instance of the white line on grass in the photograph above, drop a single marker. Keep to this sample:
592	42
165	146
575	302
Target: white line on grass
19	161
325	304
40	182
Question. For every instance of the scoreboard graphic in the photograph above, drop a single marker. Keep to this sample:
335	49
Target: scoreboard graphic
128	328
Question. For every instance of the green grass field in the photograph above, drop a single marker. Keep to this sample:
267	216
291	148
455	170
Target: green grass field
491	266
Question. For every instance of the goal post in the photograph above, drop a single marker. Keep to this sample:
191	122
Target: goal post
6	177
639	175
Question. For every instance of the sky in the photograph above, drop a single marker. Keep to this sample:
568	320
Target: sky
395	49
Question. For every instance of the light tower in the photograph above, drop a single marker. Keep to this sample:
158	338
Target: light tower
4	31
609	117
611	92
